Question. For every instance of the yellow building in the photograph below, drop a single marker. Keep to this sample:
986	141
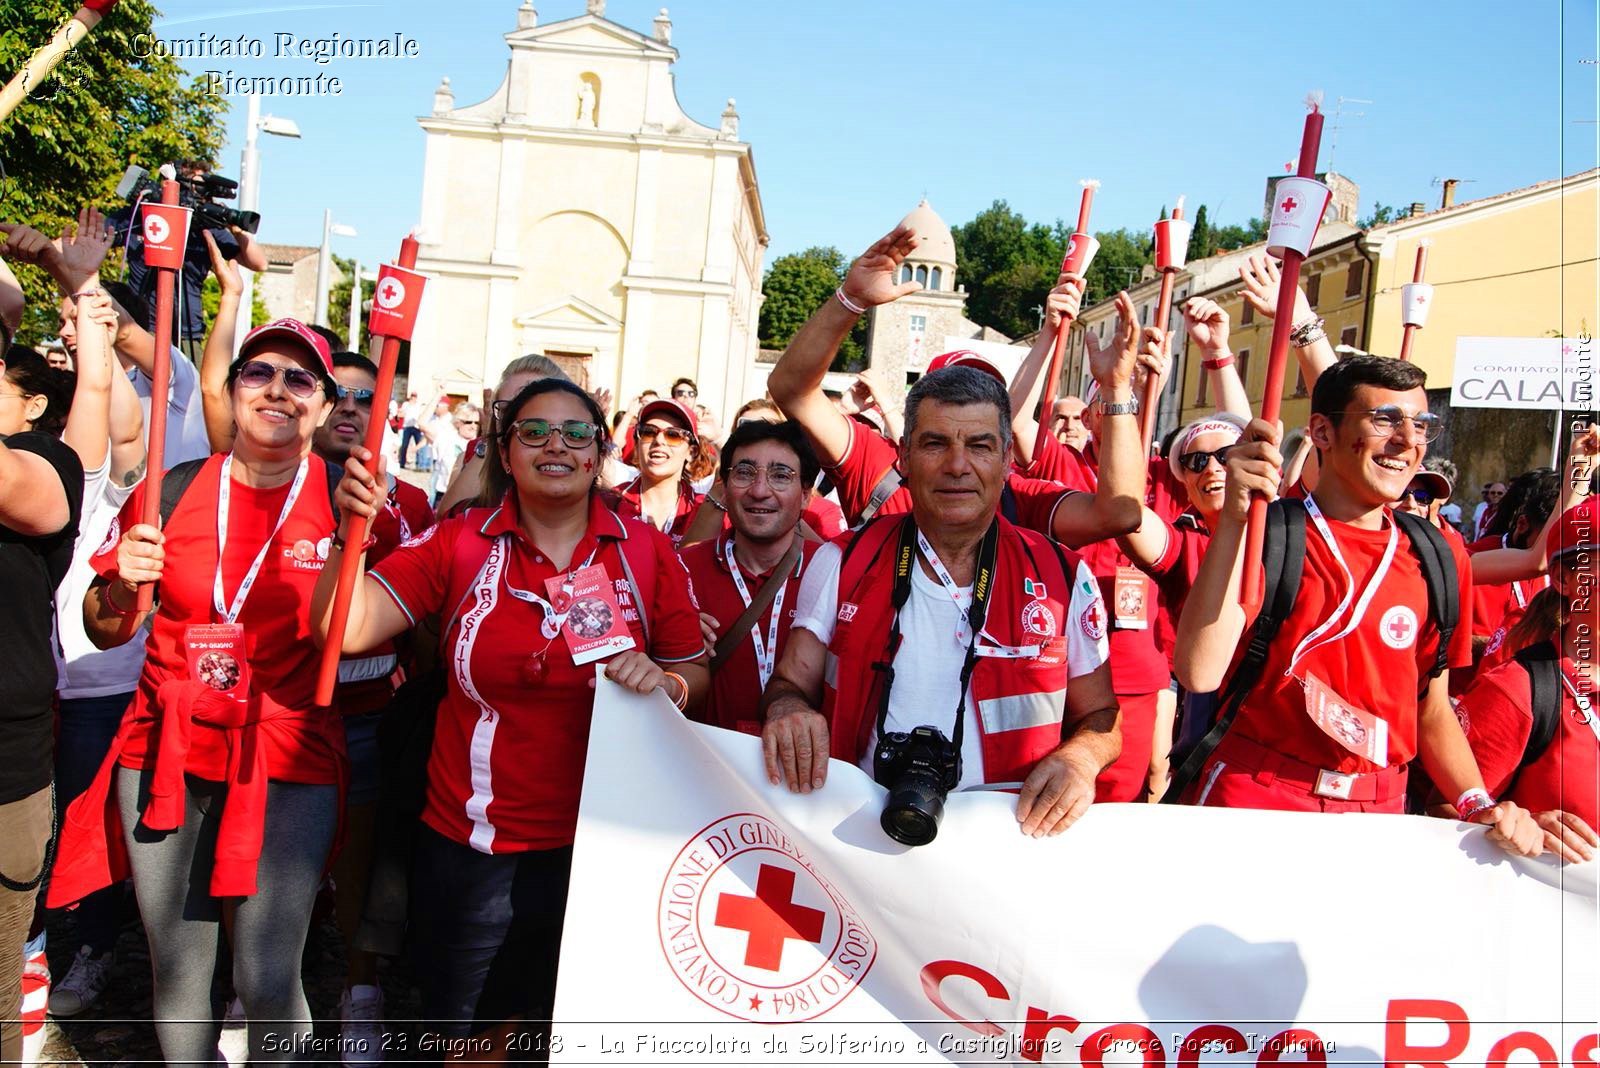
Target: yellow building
578	212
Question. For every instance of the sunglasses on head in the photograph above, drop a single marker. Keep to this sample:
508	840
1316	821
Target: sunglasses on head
1196	462
535	432
672	435
297	380
363	397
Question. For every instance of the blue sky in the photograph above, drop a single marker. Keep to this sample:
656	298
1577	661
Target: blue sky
856	110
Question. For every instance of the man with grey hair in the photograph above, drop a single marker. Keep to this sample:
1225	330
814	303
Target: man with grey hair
951	630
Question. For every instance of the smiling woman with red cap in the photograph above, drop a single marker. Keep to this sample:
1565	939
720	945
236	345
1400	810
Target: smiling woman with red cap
225	778
666	441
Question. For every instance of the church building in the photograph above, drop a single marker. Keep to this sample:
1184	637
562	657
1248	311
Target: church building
578	212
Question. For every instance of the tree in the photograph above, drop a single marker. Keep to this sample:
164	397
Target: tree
795	286
106	107
1121	260
1008	267
1200	236
211	296
339	298
1381	213
1227	238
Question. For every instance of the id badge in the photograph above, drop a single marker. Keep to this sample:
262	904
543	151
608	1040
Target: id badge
1354	728
216	656
1132	599
594	627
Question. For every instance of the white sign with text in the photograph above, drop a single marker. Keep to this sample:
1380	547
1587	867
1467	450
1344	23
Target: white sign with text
1524	372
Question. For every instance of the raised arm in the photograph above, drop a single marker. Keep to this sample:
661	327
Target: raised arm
1213	620
80	250
1061	307
127	432
1207	324
796	381
88	429
33	502
218	352
251	255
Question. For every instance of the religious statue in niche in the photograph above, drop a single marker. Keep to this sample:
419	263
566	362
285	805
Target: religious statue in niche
588	100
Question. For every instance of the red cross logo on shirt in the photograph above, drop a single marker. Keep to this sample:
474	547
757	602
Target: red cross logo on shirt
1398	628
771	918
1289	204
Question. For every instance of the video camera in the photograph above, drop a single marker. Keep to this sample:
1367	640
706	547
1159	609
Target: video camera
203	195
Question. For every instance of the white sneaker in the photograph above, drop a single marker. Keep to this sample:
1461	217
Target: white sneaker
361	1029
85	982
234	1045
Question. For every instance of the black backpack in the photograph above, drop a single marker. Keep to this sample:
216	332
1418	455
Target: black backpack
1283	558
1542	662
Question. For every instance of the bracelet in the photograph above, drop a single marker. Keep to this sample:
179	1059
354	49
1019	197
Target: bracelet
1473	802
337	541
105	598
1225	360
682	700
851	306
1303	334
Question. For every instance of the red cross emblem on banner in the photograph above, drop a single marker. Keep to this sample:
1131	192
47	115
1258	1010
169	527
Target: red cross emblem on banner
1289	204
770	918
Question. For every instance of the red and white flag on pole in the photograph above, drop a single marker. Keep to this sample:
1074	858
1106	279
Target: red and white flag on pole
1297	207
166	232
395	302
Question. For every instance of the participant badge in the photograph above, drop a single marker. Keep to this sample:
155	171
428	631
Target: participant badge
216	655
593	627
1132	606
1354	728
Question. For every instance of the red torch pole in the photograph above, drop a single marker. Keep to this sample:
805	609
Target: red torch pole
1152	383
1416	276
356	536
160	386
1076	261
1277	362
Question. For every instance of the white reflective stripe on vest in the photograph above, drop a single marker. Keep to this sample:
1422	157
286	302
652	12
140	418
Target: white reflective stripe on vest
367	668
1022	711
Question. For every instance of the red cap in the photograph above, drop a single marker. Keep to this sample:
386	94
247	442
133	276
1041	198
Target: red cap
673	410
1578	529
965	358
1436	483
297	331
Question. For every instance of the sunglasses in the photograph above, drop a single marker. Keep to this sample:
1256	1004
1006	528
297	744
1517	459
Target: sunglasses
1418	494
672	435
1389	418
363	397
689	393
297	380
535	432
779	476
1196	462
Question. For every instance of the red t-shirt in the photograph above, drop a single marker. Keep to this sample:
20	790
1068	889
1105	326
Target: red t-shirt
1381	675
1163	493
1174	574
824	517
736	687
870	455
279	651
405	514
1499	718
508	754
627	505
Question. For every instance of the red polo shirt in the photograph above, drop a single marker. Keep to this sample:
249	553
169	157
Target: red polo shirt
367	680
736	687
627	505
405	514
1175	572
508	754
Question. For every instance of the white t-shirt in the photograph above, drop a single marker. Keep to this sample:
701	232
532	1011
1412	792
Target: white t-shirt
448	445
81	669
927	669
186	417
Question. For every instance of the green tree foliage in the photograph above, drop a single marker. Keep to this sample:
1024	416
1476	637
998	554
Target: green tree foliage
105	108
339	299
1208	239
1200	236
211	296
1381	213
795	286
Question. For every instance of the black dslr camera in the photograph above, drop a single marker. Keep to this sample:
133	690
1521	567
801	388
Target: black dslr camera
203	194
918	770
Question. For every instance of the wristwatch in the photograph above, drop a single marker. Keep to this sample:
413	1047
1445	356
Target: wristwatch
1127	407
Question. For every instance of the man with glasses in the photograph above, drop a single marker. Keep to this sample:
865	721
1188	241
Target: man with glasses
747	578
684	390
1347	697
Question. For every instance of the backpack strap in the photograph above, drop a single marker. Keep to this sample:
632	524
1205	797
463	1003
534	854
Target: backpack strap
881	493
1439	572
1008	503
175	483
1543	664
1283	558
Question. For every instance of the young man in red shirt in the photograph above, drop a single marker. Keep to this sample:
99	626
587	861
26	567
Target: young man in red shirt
767	470
1336	717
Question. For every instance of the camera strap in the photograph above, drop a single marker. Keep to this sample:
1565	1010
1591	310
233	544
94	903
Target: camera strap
905	560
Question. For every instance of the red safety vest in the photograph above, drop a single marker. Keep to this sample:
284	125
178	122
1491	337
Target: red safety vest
1019	701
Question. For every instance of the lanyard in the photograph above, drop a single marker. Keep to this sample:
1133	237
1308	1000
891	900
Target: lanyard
963	631
552	618
766	653
224	491
1310	641
1585	705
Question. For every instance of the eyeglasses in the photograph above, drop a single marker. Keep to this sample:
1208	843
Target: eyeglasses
779	476
363	397
684	391
672	435
297	380
535	432
1388	418
467	422
1418	494
1196	462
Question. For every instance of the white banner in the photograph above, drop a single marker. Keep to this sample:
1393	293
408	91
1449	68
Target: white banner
716	919
1524	372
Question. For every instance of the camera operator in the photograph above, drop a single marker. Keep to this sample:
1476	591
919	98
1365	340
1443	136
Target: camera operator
987	622
234	243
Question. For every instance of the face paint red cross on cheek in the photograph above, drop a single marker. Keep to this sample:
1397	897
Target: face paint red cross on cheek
588	465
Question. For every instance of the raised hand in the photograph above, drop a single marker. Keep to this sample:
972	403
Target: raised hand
357	492
1254	468
1113	365
81	249
1261	276
871	279
1207	324
1063	303
24	244
227	272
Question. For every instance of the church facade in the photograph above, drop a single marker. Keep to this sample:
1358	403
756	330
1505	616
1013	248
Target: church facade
578	212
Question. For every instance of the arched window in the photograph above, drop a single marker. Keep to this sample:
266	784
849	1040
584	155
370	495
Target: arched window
922	276
905	272
934	277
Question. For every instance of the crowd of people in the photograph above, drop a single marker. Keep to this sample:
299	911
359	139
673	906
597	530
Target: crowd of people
1004	594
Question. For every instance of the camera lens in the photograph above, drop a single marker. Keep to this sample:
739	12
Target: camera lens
914	809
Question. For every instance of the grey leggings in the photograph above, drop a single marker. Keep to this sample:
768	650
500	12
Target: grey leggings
171	878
